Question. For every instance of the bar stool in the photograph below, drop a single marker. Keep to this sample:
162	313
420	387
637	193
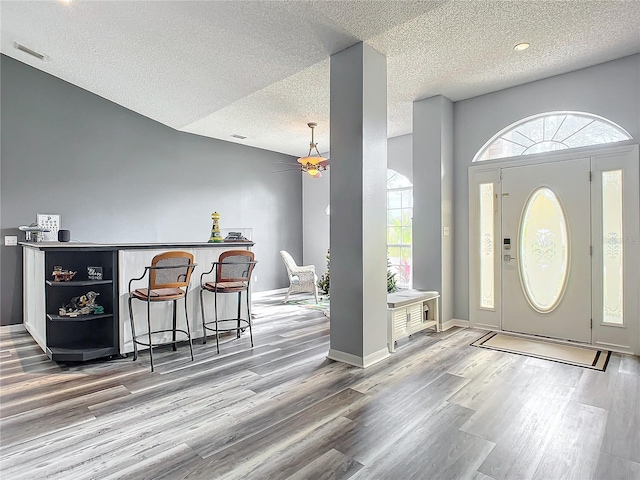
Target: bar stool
232	275
169	276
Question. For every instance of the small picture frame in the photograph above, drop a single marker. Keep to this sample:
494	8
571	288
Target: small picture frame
50	221
94	273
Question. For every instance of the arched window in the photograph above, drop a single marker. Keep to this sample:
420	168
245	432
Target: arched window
399	216
551	131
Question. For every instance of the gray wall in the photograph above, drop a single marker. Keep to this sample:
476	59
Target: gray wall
611	90
315	228
116	176
400	155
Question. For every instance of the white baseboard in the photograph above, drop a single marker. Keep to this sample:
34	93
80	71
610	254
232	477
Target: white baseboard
454	322
18	327
376	357
357	361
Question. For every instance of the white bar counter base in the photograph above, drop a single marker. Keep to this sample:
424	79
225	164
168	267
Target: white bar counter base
61	338
407	313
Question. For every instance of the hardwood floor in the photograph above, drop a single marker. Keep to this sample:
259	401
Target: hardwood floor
437	409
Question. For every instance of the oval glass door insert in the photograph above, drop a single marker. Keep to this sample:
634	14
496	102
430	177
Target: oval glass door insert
543	250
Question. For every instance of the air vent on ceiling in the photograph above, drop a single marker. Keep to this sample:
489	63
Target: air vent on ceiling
33	53
235	135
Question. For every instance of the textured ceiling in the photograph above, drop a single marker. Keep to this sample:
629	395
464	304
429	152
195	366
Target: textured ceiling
261	69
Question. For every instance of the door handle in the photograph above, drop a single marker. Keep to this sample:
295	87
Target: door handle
508	258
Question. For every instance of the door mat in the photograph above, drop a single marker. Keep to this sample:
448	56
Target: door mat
547	350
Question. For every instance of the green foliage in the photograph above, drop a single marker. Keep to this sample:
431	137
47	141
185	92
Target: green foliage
323	283
391	280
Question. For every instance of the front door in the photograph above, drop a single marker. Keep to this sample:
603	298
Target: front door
545	251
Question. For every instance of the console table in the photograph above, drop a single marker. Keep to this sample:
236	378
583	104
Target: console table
410	311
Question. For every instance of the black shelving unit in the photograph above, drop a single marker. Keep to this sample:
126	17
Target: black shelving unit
78	318
85	283
82	337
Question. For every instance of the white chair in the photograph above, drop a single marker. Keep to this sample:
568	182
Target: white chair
301	278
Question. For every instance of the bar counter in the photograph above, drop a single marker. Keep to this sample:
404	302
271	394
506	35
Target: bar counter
95	336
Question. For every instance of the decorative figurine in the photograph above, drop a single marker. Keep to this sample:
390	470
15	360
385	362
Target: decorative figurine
94	273
236	237
82	305
60	275
216	237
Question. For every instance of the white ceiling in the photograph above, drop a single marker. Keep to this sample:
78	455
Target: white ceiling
261	68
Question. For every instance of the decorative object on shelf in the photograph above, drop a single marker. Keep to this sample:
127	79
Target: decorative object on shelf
33	232
237	234
215	229
311	164
82	305
50	221
94	273
235	237
64	235
60	275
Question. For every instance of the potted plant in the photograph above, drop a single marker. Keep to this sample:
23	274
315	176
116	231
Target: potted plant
323	283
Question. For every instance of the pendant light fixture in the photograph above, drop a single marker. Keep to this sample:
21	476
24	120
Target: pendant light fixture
314	163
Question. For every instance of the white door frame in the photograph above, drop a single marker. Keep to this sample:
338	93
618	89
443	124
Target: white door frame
489	172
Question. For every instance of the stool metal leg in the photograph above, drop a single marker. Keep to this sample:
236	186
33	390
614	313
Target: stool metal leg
186	318
204	328
215	307
175	325
239	312
249	318
133	332
149	325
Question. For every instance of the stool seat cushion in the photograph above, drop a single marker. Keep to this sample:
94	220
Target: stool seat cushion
226	286
159	294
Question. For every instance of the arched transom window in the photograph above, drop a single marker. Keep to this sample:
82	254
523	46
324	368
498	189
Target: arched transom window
551	131
399	216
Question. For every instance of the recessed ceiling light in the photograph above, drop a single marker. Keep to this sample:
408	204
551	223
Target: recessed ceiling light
521	46
66	2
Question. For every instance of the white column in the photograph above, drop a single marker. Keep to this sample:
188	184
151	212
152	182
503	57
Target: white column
358	206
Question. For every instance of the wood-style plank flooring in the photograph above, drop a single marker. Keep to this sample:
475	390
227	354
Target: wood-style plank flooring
436	409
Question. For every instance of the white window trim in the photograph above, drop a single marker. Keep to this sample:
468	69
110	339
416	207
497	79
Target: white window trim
515	125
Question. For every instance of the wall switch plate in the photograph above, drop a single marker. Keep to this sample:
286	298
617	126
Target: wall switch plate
446	231
11	240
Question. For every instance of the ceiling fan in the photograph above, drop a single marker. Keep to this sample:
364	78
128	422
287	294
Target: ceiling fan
311	164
